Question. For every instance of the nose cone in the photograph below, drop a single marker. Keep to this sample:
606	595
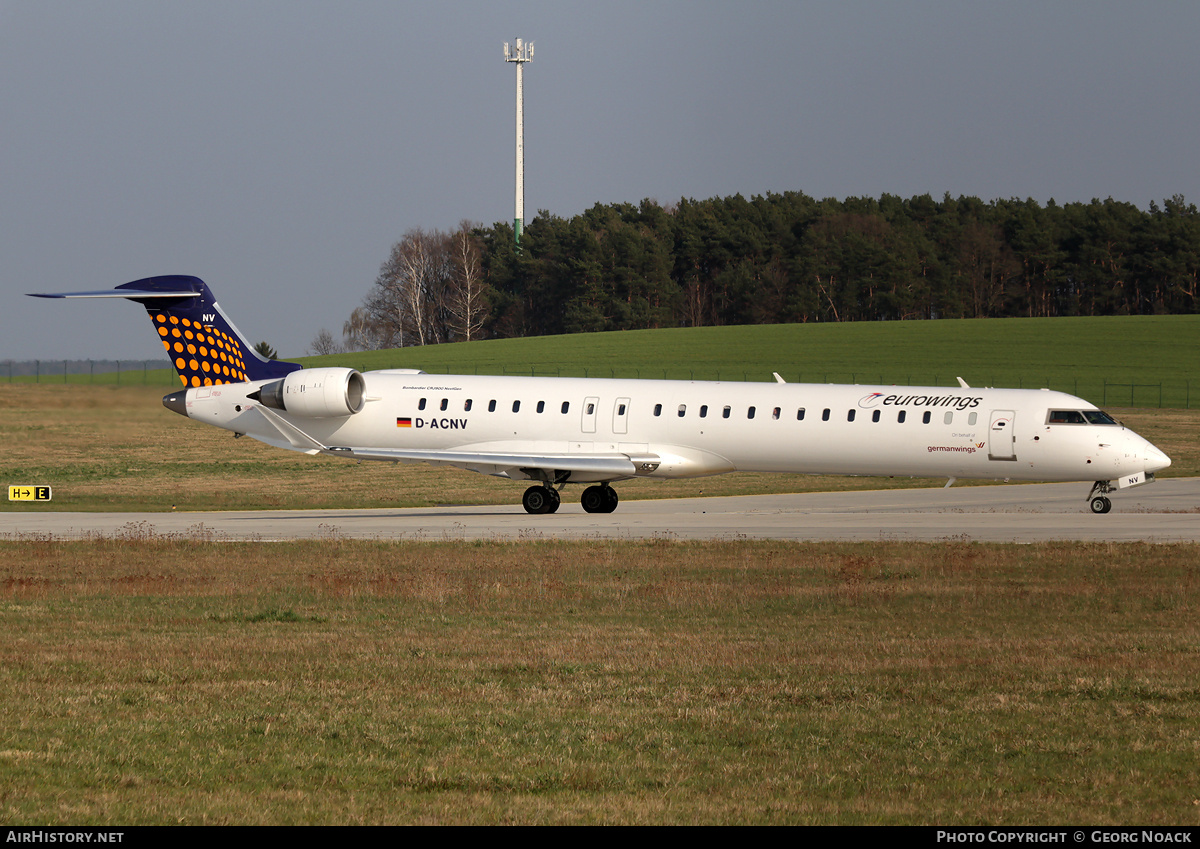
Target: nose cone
176	402
1156	461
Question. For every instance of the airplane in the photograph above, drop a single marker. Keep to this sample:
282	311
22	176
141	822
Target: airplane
556	431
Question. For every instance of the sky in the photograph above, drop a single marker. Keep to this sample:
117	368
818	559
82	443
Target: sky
278	149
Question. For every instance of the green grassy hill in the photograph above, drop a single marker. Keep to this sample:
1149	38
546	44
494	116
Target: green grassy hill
1132	361
1125	361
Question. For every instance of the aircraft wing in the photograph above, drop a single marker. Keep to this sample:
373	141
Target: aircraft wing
492	463
484	462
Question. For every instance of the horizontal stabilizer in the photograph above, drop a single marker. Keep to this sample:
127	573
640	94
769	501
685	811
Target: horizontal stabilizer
129	294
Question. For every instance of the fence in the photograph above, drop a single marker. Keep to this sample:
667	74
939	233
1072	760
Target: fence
1099	390
116	372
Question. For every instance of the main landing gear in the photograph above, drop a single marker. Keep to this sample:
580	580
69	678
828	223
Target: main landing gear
540	499
1098	499
599	499
545	499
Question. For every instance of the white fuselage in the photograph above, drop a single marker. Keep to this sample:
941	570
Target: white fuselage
692	428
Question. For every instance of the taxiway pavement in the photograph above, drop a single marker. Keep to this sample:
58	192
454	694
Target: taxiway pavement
1164	512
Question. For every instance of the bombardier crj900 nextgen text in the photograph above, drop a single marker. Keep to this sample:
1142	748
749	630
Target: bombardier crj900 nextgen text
555	431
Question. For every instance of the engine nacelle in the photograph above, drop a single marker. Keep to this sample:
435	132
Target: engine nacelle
316	392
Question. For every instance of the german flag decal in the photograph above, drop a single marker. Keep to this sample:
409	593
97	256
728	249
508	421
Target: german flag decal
404	422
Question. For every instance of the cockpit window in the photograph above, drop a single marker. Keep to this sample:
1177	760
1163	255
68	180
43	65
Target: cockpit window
1080	417
1066	417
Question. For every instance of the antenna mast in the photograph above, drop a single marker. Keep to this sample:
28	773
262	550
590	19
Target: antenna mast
522	54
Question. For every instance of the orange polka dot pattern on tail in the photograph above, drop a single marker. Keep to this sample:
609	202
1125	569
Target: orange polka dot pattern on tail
203	355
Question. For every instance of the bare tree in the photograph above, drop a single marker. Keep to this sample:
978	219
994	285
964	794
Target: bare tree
467	302
408	296
363	332
324	343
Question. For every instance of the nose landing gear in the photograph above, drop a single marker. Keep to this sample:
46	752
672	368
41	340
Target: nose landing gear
1098	499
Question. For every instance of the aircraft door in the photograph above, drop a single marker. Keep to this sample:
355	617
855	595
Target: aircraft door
590	406
1002	438
621	416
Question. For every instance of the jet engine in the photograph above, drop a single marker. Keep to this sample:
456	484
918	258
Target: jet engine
317	392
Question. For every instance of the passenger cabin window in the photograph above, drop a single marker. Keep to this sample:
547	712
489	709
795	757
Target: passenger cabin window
725	413
973	418
850	416
541	407
492	406
658	409
703	411
445	403
775	413
948	418
825	415
875	416
750	413
467	405
421	404
901	416
925	418
516	406
682	410
800	415
566	406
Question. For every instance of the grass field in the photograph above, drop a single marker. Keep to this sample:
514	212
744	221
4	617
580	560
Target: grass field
1146	361
1133	361
984	351
157	681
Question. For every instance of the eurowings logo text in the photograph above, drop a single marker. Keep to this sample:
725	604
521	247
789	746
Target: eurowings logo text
959	402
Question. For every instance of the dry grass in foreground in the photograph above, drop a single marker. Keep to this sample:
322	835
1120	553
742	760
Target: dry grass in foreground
159	681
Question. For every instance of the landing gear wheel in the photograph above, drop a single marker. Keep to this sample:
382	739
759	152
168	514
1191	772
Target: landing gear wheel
540	499
599	499
1098	499
555	500
593	500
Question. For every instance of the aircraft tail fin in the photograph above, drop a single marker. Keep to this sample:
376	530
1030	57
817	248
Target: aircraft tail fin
204	345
